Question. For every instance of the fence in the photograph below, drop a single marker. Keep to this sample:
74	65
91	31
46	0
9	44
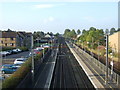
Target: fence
115	76
27	81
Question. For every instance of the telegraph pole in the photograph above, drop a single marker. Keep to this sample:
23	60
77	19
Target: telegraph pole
98	53
32	60
106	73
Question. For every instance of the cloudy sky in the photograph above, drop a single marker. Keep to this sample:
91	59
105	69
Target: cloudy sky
55	17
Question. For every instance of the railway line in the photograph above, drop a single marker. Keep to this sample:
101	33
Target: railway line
68	73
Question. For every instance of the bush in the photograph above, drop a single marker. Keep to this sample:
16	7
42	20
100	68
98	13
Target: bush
7	48
23	48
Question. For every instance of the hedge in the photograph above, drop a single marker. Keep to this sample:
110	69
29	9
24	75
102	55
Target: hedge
23	48
7	48
19	75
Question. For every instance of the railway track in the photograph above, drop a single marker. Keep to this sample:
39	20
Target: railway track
68	73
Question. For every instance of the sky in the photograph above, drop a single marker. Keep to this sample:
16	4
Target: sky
19	15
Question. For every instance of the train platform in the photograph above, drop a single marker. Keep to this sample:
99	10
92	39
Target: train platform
92	70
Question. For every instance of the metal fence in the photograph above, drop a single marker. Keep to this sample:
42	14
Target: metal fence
115	76
27	81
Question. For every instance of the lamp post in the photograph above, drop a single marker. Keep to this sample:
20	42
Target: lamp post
98	54
106	73
32	70
92	46
83	46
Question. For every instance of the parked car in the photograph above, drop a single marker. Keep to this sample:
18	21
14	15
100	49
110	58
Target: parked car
10	52
16	50
17	65
8	69
39	48
46	46
4	53
19	60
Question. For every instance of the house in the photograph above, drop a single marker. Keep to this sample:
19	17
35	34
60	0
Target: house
114	41
15	39
27	40
8	39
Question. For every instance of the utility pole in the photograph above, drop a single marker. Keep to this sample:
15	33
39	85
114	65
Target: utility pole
92	46
106	73
32	60
98	54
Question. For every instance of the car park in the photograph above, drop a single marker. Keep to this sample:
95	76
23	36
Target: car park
8	69
19	60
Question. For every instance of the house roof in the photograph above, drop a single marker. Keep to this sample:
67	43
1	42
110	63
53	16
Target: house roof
47	36
8	34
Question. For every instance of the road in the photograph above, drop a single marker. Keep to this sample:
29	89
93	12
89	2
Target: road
68	73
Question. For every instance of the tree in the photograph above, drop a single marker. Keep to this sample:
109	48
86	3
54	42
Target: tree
73	34
112	30
9	30
57	34
84	31
118	29
66	32
78	31
106	31
92	29
51	34
38	34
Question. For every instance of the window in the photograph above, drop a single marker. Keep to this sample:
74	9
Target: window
2	42
5	44
11	44
12	38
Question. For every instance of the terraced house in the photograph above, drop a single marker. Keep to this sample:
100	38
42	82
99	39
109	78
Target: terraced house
15	39
8	39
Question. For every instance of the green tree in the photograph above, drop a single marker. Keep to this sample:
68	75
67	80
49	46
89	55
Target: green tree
92	29
73	34
38	34
106	31
84	31
118	29
66	32
78	31
112	30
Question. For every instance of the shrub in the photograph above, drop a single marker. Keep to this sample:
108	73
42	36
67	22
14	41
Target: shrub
7	48
23	48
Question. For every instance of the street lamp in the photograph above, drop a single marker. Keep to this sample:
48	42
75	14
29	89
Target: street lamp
32	70
98	53
106	73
